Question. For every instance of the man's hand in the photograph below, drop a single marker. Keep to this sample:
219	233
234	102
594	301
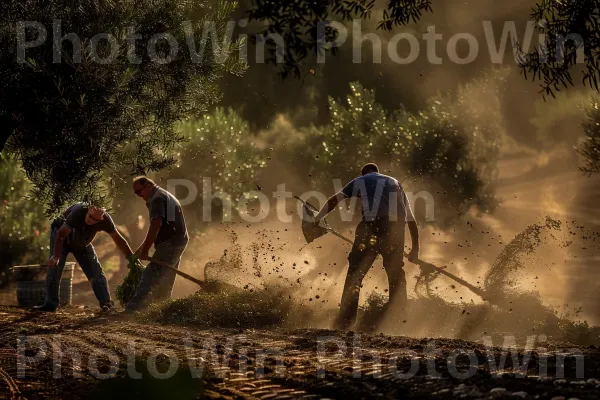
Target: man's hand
52	262
427	268
141	254
132	259
328	207
122	245
413	256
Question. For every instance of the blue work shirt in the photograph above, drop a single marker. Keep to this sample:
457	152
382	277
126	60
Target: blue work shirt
384	197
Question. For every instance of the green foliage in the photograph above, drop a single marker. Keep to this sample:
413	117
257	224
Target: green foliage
218	149
476	113
297	23
554	61
126	289
70	121
590	148
505	272
432	316
23	229
229	307
217	146
444	148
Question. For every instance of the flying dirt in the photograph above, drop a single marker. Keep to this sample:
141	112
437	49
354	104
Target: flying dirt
261	327
326	200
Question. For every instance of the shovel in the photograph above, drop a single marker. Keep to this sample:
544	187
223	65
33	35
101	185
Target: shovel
311	232
177	271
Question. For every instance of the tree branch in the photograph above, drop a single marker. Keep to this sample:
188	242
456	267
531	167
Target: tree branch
5	132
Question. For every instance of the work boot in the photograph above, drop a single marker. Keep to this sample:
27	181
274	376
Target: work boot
45	308
107	306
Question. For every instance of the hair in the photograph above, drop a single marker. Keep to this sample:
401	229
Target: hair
143	180
370	167
96	208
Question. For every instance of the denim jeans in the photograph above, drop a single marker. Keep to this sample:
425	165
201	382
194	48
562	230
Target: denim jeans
87	260
381	237
157	282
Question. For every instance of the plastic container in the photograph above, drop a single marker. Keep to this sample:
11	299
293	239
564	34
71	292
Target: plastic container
31	284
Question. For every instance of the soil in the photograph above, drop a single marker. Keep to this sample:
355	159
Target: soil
81	343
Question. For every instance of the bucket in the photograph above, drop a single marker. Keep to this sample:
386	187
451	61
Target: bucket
31	284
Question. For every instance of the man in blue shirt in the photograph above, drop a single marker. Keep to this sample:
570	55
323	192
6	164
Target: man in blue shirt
385	213
169	236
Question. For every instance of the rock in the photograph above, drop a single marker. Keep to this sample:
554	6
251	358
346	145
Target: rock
498	390
520	394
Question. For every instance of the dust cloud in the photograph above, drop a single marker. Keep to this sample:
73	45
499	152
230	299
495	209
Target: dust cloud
544	275
521	282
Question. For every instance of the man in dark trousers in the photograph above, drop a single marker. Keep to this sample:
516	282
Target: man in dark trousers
385	213
73	232
168	234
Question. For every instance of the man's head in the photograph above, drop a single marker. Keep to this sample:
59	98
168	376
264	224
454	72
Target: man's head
142	186
368	168
94	215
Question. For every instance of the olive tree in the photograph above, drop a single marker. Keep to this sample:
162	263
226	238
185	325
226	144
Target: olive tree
89	86
590	148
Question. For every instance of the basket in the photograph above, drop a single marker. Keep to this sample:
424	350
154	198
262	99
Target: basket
31	284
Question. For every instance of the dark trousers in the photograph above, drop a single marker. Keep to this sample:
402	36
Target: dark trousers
157	282
373	238
88	261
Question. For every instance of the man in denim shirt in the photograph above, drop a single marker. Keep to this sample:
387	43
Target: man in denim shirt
385	213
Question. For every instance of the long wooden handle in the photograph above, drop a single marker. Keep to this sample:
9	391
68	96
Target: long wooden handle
442	271
177	271
340	236
481	293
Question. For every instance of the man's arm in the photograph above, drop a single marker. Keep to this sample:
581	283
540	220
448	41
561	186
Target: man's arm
413	228
59	241
329	206
155	225
414	235
121	243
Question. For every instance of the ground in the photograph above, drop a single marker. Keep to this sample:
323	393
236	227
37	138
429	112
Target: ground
80	343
